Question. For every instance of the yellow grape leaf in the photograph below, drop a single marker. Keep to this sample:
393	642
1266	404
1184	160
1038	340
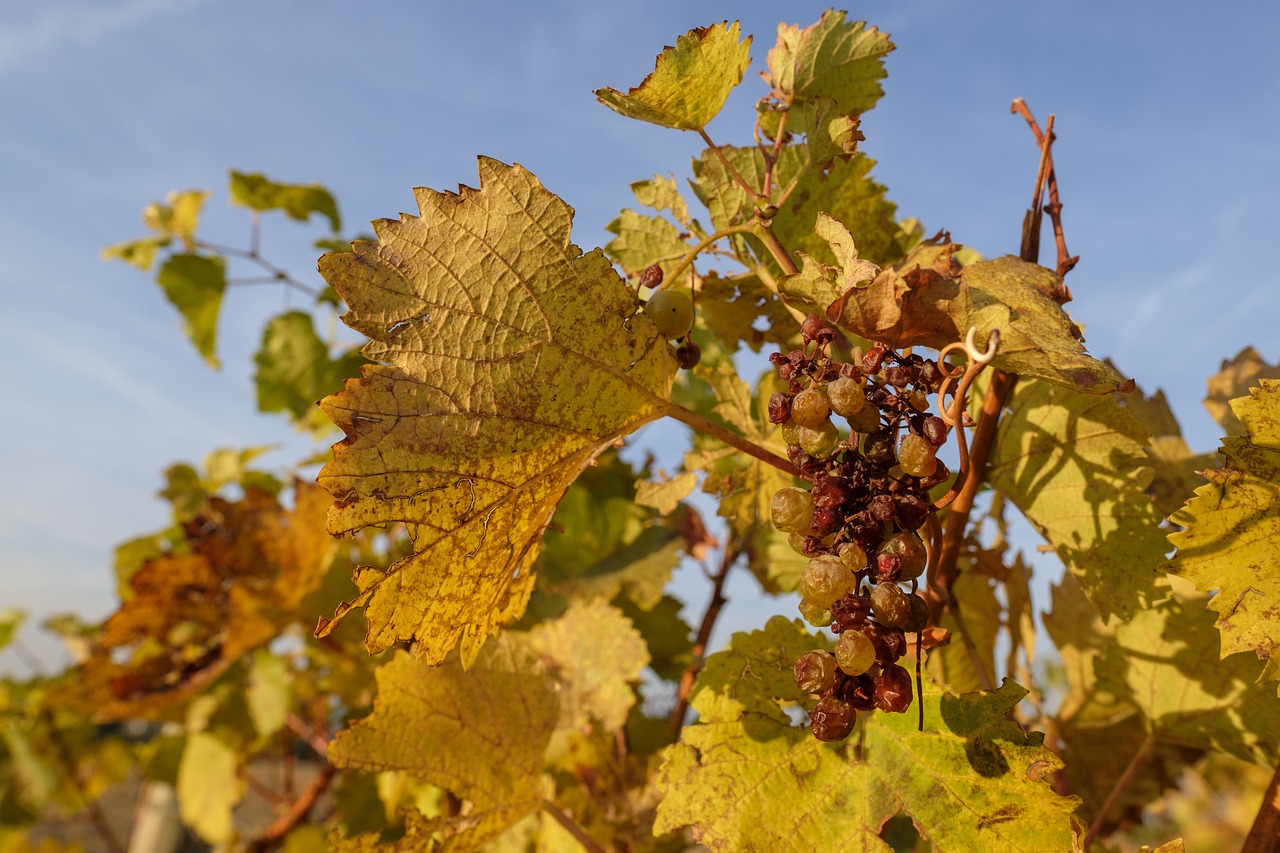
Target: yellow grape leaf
745	777
690	81
832	59
481	734
1234	380
1074	465
509	360
929	300
1230	537
209	787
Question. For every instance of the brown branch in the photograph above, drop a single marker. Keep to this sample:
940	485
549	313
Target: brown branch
732	550
715	430
317	741
275	273
572	827
1054	208
1116	790
1264	837
297	812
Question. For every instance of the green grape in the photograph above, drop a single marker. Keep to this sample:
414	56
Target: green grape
890	605
671	311
814	614
855	653
792	510
917	456
810	409
815	671
852	555
910	550
821	442
865	420
846	396
790	434
824	580
796	541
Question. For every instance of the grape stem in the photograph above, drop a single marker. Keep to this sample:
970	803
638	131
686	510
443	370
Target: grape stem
692	255
572	827
1123	782
715	430
1264	836
297	813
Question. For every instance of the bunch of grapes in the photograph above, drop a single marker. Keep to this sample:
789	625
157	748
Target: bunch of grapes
858	522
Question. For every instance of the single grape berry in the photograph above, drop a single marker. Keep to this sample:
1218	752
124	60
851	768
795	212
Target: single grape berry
796	542
825	579
810	408
815	671
917	455
651	277
935	430
833	719
898	376
892	609
854	653
893	689
908	548
858	690
821	442
865	420
850	611
846	397
877	447
814	614
779	408
853	556
688	354
812	327
912	512
671	310
792	510
919	618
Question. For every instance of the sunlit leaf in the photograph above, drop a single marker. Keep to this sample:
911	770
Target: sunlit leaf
1230	541
510	361
644	240
194	284
1074	464
832	59
690	81
298	201
745	778
1233	380
661	194
295	369
209	787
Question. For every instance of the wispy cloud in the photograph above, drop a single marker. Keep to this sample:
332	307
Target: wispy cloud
61	25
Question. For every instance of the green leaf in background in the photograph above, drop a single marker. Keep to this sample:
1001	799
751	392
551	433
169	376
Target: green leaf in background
481	734
11	619
643	240
194	284
745	778
298	201
1234	379
268	692
295	370
690	81
661	194
1230	537
178	217
1074	465
830	59
209	787
140	253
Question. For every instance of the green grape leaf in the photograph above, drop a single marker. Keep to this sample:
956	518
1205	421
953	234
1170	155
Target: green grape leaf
732	308
638	570
140	253
295	369
953	665
481	734
209	787
1165	661
927	300
690	81
664	495
830	59
178	217
268	692
1234	380
597	655
644	240
11	619
1229	540
509	360
1074	465
1082	638
1175	465
817	285
661	194
745	778
194	285
668	636
298	201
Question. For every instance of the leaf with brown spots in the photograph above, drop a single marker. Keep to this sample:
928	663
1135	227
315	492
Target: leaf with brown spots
509	361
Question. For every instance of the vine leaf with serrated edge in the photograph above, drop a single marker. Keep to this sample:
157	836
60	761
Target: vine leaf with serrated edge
830	59
1230	536
1074	465
690	81
509	360
745	778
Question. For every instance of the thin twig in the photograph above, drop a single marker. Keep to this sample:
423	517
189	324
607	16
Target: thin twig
276	273
1264	836
316	741
1066	261
715	430
691	255
732	550
1116	790
297	812
572	827
28	657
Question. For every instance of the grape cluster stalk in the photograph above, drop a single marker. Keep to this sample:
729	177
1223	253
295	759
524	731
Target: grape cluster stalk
859	520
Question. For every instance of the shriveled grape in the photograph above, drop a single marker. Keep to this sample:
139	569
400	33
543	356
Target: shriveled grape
846	396
853	556
821	442
824	580
833	719
890	605
854	653
815	614
893	689
815	671
810	408
910	551
917	455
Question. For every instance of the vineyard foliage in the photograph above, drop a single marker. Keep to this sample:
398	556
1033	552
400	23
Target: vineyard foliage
466	628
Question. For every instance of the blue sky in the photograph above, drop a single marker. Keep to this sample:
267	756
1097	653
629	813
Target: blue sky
1167	116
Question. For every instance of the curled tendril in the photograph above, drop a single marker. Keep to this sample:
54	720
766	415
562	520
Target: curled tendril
961	377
